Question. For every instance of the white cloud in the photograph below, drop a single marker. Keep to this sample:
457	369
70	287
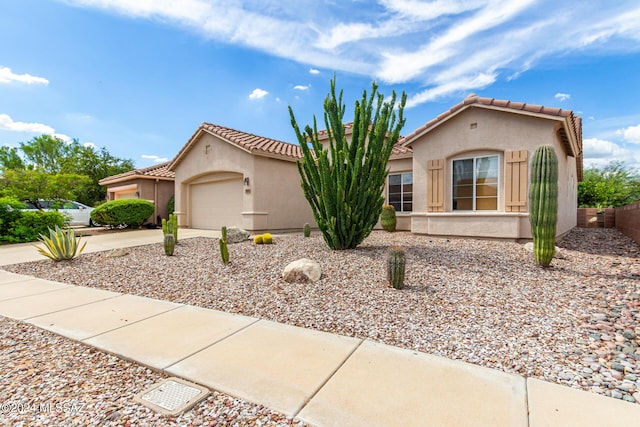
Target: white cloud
89	144
258	94
63	137
600	152
400	41
7	123
301	87
631	134
562	96
154	158
7	76
453	86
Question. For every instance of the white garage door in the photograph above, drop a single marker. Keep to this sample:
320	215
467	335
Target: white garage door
216	204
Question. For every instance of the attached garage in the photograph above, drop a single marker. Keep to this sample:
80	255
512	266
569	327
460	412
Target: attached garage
225	177
216	201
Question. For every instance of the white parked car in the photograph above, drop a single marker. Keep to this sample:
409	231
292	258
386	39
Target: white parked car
77	213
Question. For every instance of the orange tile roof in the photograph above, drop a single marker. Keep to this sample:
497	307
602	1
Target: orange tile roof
246	141
571	133
398	149
160	171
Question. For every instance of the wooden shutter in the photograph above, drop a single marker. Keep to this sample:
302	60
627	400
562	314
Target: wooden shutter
435	185
515	177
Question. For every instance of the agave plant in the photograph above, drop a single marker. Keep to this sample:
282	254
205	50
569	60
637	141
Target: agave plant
61	244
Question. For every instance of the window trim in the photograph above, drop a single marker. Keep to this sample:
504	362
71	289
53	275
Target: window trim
402	211
498	183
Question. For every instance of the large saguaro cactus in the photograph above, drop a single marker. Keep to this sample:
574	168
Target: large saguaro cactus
543	203
344	184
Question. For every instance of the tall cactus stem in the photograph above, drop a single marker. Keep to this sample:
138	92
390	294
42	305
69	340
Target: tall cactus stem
543	203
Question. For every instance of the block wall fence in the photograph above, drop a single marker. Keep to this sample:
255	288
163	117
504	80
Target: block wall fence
626	219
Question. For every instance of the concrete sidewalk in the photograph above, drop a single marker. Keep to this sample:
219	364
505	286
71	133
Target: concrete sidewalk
320	378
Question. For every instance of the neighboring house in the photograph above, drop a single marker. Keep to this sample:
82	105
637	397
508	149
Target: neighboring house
154	183
225	177
464	173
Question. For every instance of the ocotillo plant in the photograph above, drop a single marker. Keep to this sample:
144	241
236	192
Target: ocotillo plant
396	267
224	250
543	203
344	183
388	218
169	244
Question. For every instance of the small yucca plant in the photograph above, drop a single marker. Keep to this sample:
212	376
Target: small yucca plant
61	244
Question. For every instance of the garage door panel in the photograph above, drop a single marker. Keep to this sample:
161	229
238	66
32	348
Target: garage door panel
216	204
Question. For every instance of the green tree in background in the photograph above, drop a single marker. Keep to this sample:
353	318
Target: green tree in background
344	184
47	167
613	186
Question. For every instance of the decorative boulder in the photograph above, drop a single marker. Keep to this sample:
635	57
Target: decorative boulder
556	254
236	235
302	271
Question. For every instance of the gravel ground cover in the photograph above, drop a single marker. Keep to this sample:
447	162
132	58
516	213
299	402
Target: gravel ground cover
479	301
50	380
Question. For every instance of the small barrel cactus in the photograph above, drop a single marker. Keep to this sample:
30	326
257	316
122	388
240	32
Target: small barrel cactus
388	218
267	239
307	230
396	267
169	244
258	240
543	203
224	250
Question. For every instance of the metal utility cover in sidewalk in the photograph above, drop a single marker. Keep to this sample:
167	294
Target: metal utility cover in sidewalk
172	396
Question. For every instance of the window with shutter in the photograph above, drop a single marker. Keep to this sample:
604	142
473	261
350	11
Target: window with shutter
435	185
516	175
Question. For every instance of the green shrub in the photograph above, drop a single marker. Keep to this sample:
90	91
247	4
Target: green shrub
258	239
9	214
31	224
171	205
130	213
61	244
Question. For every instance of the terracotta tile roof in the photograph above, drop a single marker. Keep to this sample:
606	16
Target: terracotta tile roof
246	141
570	133
398	150
160	171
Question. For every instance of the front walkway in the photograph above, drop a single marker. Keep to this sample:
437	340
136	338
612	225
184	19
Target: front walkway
320	378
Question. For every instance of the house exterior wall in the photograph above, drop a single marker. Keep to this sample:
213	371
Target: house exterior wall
478	132
279	201
272	196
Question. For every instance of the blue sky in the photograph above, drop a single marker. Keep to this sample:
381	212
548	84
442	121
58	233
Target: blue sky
138	77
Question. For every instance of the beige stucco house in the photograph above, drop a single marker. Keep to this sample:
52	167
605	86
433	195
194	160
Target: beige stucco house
470	169
154	183
464	173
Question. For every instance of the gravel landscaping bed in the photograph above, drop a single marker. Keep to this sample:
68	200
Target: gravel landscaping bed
50	380
479	301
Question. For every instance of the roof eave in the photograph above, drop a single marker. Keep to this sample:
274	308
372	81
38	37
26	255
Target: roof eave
107	181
